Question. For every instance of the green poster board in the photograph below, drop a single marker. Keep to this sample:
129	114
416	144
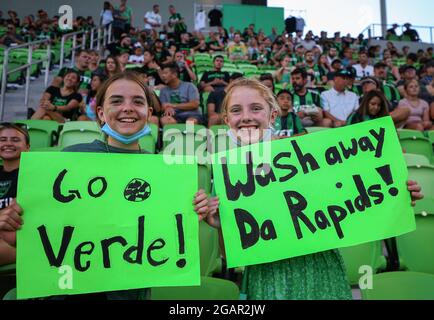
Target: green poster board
105	222
326	190
265	18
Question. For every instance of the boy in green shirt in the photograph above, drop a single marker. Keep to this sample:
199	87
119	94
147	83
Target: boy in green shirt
287	124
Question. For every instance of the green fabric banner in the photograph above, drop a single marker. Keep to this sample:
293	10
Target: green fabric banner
264	18
312	193
105	222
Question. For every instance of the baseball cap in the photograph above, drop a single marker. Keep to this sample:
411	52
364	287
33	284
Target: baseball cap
343	73
352	71
372	80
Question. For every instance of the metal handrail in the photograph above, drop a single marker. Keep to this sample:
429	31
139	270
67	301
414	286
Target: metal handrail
371	29
27	66
104	34
72	35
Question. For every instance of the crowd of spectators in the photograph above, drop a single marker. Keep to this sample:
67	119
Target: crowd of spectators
327	77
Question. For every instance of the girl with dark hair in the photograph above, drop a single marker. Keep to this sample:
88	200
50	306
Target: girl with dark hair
112	66
373	106
88	107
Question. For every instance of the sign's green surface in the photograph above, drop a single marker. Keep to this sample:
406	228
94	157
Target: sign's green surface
105	222
322	191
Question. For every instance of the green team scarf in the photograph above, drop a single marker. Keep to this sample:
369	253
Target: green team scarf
317	73
296	102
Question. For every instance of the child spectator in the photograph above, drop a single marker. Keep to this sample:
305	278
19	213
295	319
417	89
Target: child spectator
88	107
374	105
137	57
14	139
112	66
287	123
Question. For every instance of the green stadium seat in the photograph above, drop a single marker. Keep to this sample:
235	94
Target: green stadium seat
415	250
418	145
204	63
10	295
424	175
43	133
316	129
203	69
219	141
413	134
251	75
204	99
430	135
246	67
200	55
238	62
230	65
415	159
154	131
218	128
15	76
177	139
232	70
148	143
49	149
76	132
205	58
400	286
209	289
367	254
209	249
131	66
204	175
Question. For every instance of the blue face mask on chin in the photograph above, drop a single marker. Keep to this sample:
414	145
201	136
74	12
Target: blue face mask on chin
126	139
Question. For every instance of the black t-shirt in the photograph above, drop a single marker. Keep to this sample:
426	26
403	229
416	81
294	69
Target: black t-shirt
186	47
209	76
116	49
58	100
162	56
8	187
184	75
290	24
215	17
216	97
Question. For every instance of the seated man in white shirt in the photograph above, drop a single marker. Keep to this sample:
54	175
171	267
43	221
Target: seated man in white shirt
338	102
